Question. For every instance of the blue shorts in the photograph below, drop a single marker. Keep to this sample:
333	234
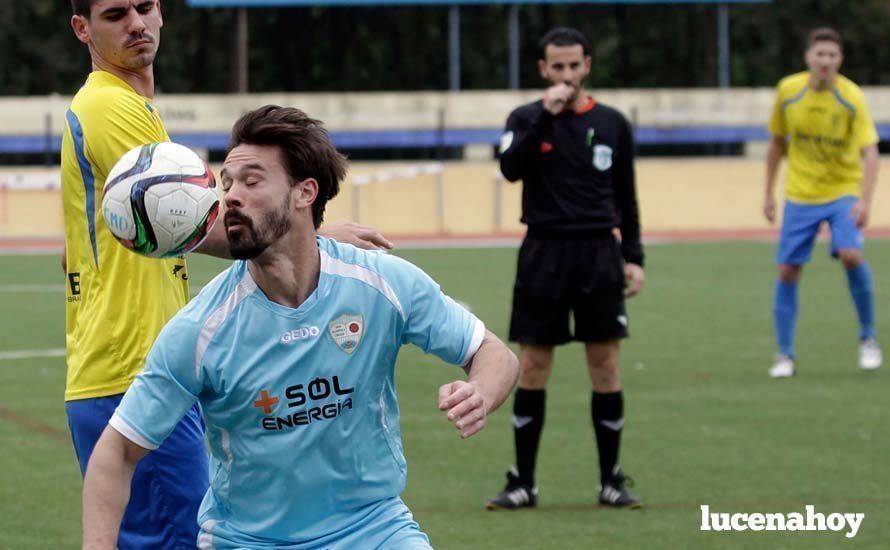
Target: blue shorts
800	225
168	484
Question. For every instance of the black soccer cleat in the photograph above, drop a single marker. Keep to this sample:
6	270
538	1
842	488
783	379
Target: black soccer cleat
515	495
614	491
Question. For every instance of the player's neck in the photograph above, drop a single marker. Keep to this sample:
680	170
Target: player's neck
287	272
821	84
142	80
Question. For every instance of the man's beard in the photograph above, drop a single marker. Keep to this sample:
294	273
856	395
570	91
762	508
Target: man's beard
249	242
139	60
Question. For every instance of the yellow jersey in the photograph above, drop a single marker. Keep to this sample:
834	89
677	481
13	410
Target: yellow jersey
117	301
825	132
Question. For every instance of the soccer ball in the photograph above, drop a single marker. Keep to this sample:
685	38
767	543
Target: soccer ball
160	200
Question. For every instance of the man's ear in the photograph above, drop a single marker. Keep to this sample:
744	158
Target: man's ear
306	193
79	24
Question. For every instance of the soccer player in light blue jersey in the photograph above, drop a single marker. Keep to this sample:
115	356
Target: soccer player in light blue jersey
290	353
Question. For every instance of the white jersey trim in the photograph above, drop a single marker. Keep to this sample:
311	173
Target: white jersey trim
205	537
244	288
124	428
334	266
475	342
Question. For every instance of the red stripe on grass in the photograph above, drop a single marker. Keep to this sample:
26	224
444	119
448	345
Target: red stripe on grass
34	425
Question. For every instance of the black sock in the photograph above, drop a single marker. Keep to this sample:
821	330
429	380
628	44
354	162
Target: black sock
607	413
528	421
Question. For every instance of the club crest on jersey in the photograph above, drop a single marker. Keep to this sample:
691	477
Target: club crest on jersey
602	157
347	330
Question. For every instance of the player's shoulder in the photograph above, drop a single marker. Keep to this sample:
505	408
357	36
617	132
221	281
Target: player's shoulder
793	84
388	274
528	110
105	96
847	88
607	111
341	258
225	290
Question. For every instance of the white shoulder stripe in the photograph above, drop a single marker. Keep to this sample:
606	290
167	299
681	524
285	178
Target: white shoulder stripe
353	271
127	431
245	287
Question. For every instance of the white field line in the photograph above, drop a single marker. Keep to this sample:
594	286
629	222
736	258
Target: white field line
31	353
32	288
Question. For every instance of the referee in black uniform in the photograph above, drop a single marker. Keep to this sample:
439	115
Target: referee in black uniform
575	158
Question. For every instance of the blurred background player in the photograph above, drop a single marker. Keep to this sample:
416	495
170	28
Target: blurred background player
575	158
821	120
305	438
118	301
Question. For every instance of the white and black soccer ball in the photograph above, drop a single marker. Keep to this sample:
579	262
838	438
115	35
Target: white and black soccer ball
160	200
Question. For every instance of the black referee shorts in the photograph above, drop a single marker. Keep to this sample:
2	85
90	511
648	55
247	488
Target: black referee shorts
557	276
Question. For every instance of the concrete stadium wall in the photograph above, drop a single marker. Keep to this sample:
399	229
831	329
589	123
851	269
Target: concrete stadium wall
420	110
682	195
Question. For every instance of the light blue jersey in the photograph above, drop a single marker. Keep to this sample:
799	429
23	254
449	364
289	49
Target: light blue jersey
300	404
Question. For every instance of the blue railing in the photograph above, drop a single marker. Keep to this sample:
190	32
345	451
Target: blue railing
453	137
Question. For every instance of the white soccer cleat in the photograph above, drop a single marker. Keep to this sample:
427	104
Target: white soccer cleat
782	368
870	356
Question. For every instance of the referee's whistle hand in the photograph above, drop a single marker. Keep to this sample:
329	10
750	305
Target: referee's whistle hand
633	280
464	406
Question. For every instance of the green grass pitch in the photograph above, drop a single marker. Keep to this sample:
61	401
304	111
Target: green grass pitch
705	425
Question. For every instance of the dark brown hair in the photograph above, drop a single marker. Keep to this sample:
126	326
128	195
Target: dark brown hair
824	34
563	36
305	147
82	7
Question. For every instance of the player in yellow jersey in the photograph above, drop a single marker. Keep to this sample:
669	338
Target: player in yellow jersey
119	301
820	119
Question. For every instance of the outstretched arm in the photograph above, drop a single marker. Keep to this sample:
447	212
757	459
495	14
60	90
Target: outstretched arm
356	234
492	374
106	488
217	244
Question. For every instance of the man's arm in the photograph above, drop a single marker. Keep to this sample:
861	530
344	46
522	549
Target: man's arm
870	160
356	234
217	244
492	374
520	142
625	182
773	158
106	488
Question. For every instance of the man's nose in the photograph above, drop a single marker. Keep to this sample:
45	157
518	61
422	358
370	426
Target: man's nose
135	23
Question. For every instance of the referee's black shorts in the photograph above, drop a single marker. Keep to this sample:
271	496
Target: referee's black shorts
559	276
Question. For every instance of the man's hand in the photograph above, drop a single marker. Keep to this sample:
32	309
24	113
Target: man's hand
356	234
633	280
557	96
464	406
769	208
860	213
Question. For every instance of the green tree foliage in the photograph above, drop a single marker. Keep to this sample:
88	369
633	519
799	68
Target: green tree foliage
406	48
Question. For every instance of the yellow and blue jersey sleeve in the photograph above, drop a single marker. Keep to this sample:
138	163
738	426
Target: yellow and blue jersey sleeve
117	301
825	132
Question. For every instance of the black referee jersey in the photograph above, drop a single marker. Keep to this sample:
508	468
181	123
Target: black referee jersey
577	171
